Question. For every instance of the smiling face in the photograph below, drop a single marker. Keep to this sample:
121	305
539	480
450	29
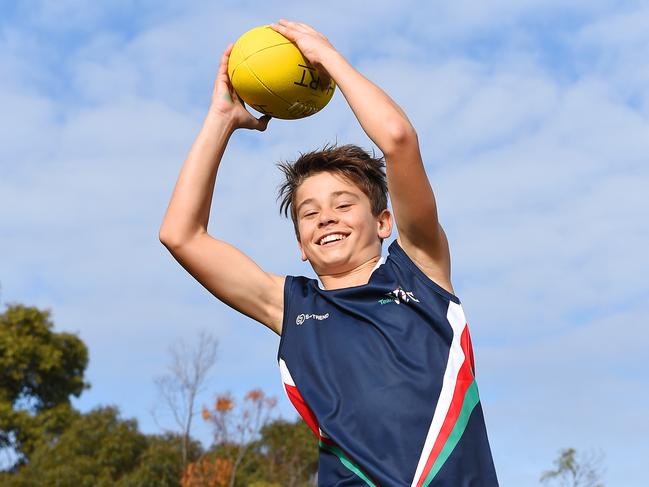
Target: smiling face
337	230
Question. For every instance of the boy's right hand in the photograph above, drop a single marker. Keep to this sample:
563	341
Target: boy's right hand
226	103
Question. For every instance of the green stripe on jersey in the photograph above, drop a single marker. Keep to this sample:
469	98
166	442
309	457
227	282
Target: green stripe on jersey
347	462
471	399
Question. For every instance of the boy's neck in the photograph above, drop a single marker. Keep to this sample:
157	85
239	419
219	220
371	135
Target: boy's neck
356	277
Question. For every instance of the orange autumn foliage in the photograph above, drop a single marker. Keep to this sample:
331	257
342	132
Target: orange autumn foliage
224	403
255	395
207	472
205	413
236	426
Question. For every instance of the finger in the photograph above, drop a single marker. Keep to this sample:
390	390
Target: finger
223	67
325	80
285	22
284	30
299	26
305	27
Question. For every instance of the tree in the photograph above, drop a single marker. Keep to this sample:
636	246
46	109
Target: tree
290	450
573	470
160	464
184	380
39	371
235	433
94	450
284	454
47	441
207	471
99	449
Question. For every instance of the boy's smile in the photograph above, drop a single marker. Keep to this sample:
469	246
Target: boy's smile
332	238
338	232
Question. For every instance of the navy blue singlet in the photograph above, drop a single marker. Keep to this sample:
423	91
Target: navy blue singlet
383	374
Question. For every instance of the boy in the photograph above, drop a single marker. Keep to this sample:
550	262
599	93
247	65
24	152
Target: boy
376	355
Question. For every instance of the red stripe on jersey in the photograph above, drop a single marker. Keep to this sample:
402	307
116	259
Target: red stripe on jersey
305	411
467	346
464	380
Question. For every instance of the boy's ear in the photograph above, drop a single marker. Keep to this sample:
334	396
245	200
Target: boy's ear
299	244
384	224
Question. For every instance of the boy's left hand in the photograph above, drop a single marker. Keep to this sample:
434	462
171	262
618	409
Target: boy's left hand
311	43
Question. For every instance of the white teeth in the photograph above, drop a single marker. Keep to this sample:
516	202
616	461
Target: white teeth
332	237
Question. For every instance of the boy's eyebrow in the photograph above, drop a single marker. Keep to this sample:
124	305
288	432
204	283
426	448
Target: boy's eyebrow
306	201
334	195
343	192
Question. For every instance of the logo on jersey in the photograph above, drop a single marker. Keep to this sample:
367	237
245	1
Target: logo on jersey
398	296
301	318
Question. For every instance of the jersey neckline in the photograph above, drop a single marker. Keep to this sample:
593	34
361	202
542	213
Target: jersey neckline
396	251
378	264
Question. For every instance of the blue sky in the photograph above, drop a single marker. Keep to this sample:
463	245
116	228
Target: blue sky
533	119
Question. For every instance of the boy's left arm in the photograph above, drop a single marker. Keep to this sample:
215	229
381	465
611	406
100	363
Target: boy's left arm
413	202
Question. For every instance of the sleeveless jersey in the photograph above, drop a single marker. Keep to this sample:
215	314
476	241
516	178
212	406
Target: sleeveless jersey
383	373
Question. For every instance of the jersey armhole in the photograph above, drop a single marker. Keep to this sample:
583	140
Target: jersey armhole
400	255
288	288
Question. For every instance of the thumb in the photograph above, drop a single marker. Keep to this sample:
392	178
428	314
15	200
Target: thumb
262	122
325	81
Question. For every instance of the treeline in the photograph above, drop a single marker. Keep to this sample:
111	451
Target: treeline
45	441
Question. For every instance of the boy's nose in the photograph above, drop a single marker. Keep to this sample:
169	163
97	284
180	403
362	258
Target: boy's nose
327	217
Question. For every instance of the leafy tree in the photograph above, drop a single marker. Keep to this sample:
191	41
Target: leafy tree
208	471
94	450
39	371
573	470
100	450
160	465
276	453
47	440
291	453
232	461
239	427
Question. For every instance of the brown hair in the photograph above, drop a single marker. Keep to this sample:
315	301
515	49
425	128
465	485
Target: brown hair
349	161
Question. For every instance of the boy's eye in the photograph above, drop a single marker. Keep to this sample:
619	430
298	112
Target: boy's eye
344	205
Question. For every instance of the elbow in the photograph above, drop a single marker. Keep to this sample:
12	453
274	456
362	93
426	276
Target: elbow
166	238
170	239
400	135
174	239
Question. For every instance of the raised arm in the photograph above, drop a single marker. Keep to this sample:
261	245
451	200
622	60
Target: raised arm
225	271
413	201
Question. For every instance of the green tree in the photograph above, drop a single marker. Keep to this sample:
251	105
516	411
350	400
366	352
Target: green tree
284	453
100	450
39	371
290	450
52	443
160	464
575	470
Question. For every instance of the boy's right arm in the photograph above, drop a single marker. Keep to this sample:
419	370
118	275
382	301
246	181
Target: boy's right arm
225	271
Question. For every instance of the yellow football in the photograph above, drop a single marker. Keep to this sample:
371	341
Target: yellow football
270	74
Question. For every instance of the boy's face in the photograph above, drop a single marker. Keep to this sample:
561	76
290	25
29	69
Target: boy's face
337	229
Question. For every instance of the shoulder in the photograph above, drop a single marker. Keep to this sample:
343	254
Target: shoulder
422	268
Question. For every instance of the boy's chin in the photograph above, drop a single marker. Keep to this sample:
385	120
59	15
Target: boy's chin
338	262
329	267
